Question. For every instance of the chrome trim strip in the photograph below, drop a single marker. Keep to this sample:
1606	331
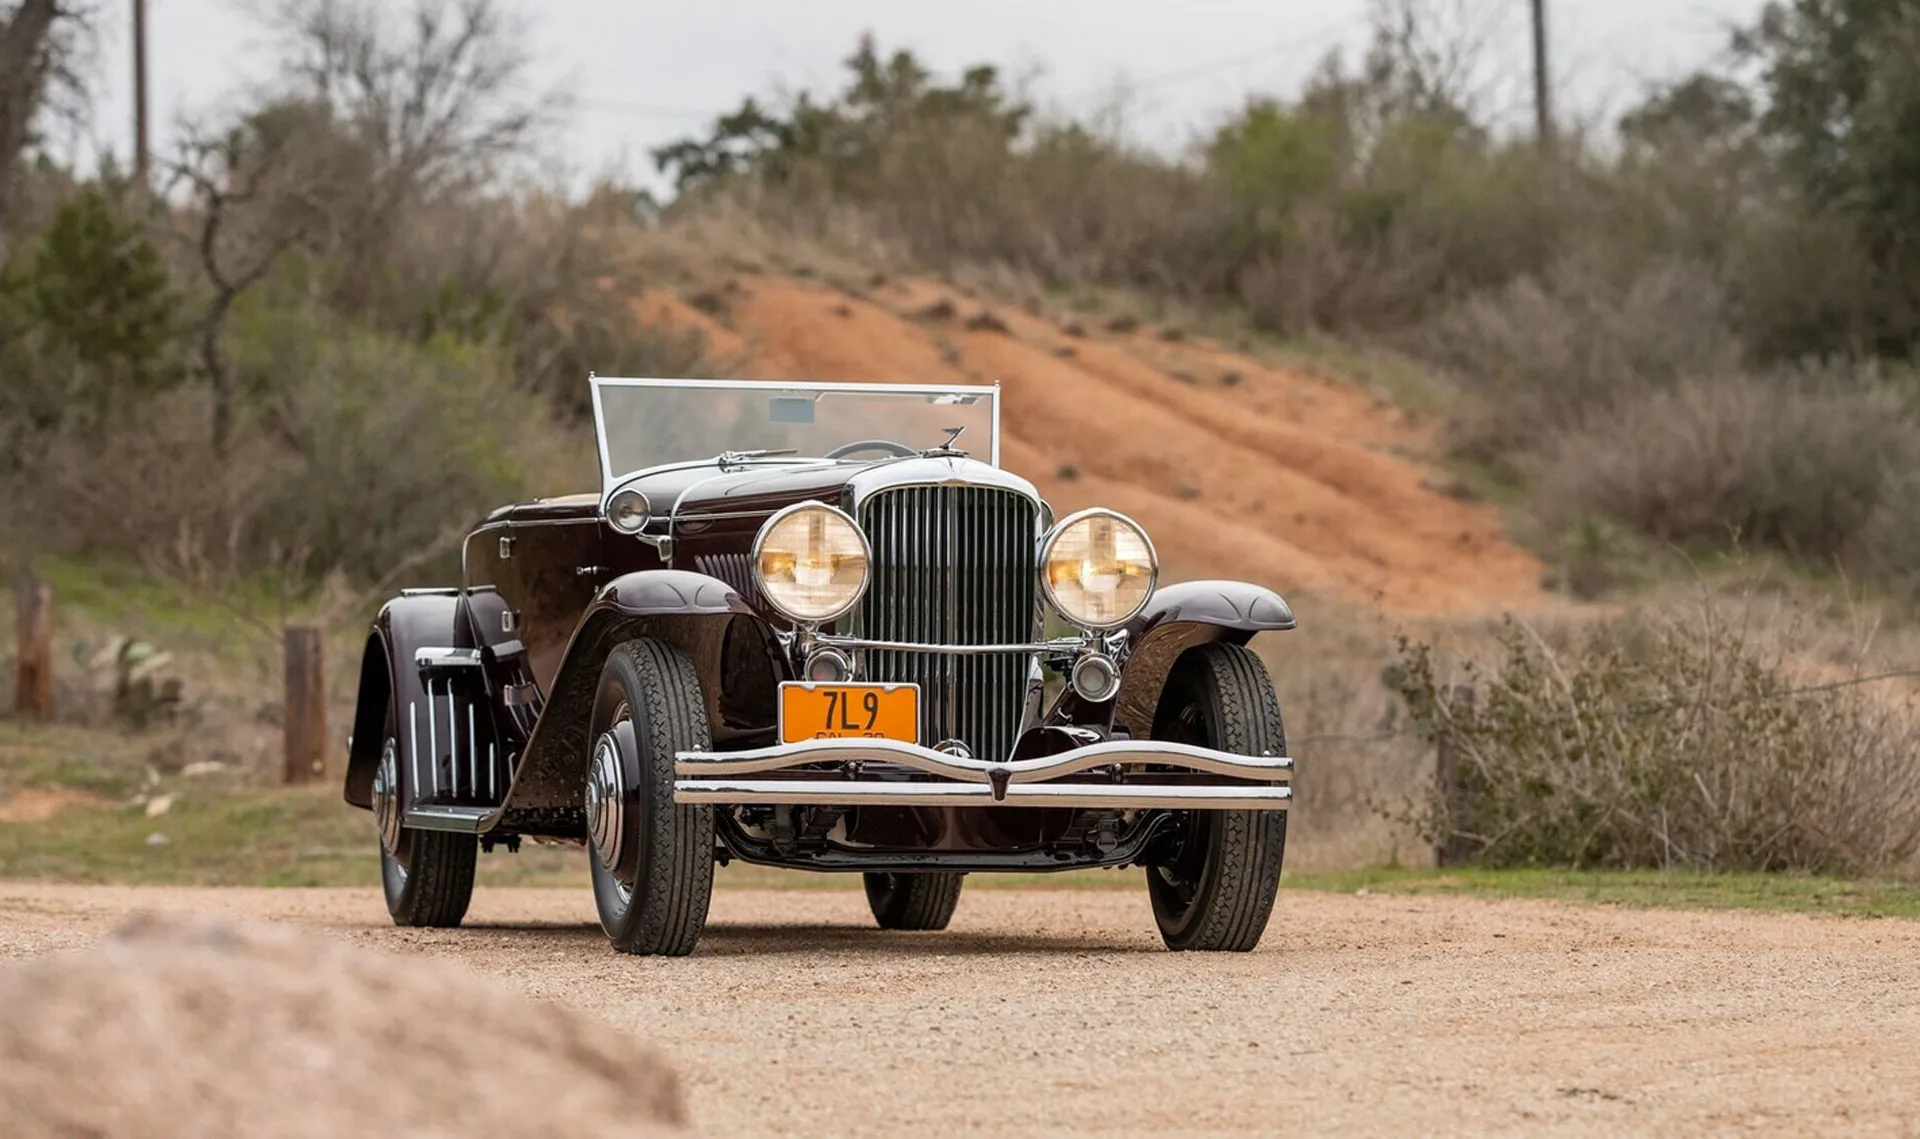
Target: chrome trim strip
596	383
473	753
453	741
722	515
1060	645
446	658
413	729
1084	795
461	820
433	742
949	530
1019	771
904	473
996	423
797	385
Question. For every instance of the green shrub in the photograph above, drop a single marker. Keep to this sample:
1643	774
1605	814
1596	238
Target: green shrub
1667	740
392	449
89	318
354	452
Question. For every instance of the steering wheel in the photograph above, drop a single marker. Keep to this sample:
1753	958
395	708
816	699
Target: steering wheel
885	446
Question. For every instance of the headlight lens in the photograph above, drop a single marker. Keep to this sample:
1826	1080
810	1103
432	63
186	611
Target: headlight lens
628	511
1098	568
811	561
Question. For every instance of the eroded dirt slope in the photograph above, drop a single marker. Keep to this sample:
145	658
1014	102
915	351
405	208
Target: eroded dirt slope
1237	468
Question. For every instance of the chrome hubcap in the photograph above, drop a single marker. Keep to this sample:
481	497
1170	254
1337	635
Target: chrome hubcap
386	797
606	802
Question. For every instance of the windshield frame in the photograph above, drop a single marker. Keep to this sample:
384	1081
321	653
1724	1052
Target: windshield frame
610	478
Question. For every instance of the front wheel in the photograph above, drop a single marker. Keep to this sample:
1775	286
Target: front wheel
652	859
1214	888
426	875
913	901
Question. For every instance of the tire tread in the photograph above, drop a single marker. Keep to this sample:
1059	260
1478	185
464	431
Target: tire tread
914	901
441	878
1234	683
678	886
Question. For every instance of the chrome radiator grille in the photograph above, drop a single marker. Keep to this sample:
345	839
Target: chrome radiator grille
953	565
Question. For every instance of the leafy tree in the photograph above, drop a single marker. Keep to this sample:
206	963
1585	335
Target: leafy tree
1843	112
100	286
1701	112
887	100
94	311
1817	61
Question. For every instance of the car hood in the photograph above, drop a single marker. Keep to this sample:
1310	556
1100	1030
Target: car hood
762	490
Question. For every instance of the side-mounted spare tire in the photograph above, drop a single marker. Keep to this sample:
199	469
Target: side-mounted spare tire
1215	888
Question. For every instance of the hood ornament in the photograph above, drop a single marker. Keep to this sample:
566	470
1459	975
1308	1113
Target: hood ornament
946	446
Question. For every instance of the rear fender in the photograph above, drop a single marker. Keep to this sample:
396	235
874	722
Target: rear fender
690	611
1176	619
388	674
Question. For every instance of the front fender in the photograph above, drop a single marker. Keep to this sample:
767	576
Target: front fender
688	610
1176	619
388	678
666	592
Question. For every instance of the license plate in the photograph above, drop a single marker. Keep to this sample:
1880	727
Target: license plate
810	711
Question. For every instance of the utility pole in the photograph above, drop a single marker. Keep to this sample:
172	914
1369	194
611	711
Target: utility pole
1542	78
141	160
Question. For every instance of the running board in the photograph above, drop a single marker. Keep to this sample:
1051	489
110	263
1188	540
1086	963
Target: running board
460	820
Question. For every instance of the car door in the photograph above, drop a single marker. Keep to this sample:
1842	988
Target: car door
530	572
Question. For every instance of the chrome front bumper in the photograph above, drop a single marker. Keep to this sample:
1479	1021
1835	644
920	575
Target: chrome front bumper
884	773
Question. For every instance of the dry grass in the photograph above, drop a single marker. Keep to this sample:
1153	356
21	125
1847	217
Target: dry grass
1729	733
1357	758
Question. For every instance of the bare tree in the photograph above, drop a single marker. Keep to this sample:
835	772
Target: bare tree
379	112
435	94
242	183
40	42
1434	54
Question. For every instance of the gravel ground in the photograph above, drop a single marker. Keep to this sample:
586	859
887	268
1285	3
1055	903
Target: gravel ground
1056	1012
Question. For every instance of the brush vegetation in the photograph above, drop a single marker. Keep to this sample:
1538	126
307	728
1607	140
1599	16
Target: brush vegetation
352	314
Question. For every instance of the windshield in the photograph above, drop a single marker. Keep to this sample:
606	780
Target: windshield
652	423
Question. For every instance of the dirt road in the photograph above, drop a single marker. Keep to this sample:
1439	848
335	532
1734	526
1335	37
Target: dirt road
1056	1012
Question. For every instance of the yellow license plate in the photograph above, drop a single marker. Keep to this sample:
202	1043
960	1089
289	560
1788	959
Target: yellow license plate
810	711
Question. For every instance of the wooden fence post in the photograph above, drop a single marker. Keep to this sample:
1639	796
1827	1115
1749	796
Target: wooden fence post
306	705
33	691
1450	848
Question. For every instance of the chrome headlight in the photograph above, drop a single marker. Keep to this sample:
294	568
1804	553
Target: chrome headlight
812	562
1098	568
628	511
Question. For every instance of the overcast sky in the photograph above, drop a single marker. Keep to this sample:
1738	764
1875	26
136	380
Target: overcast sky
646	71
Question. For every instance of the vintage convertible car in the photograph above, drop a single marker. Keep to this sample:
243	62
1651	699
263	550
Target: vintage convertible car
817	626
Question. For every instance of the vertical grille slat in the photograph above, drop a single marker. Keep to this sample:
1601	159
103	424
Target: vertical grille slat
954	565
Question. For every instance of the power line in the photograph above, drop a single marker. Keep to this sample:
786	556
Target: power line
645	110
1308	41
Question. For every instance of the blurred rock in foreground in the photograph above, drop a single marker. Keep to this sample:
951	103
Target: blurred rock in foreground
188	1026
